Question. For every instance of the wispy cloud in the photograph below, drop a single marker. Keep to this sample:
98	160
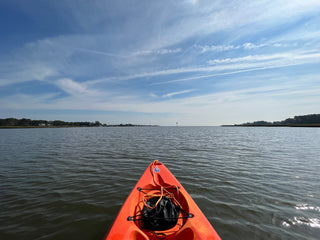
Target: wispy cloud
156	52
17	72
244	46
249	58
168	95
260	101
250	63
72	87
241	64
179	57
101	53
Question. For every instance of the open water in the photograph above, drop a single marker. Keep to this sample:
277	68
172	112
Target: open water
69	183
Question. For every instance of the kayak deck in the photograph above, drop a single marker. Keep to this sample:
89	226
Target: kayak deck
157	179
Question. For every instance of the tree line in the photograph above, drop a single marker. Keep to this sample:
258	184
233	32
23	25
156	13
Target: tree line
310	119
24	122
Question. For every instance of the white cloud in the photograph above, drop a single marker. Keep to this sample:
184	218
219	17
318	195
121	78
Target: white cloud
102	65
223	48
18	73
244	46
109	54
216	48
252	58
252	46
155	52
74	88
289	98
153	95
248	63
177	93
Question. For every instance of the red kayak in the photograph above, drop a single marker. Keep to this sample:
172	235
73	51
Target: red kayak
160	208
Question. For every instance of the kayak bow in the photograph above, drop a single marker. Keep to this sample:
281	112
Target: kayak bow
159	207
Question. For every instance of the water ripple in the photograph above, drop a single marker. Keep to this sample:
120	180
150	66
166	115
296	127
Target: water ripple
251	183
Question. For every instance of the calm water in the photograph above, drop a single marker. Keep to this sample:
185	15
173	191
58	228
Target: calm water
251	183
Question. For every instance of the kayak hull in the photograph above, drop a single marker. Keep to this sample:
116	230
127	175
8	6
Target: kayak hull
195	227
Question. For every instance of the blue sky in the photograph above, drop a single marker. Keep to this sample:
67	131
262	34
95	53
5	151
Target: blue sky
159	62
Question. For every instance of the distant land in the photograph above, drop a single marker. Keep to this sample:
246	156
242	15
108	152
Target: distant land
28	123
310	120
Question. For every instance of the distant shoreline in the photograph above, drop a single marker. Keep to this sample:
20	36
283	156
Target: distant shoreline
9	123
289	125
120	125
310	120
